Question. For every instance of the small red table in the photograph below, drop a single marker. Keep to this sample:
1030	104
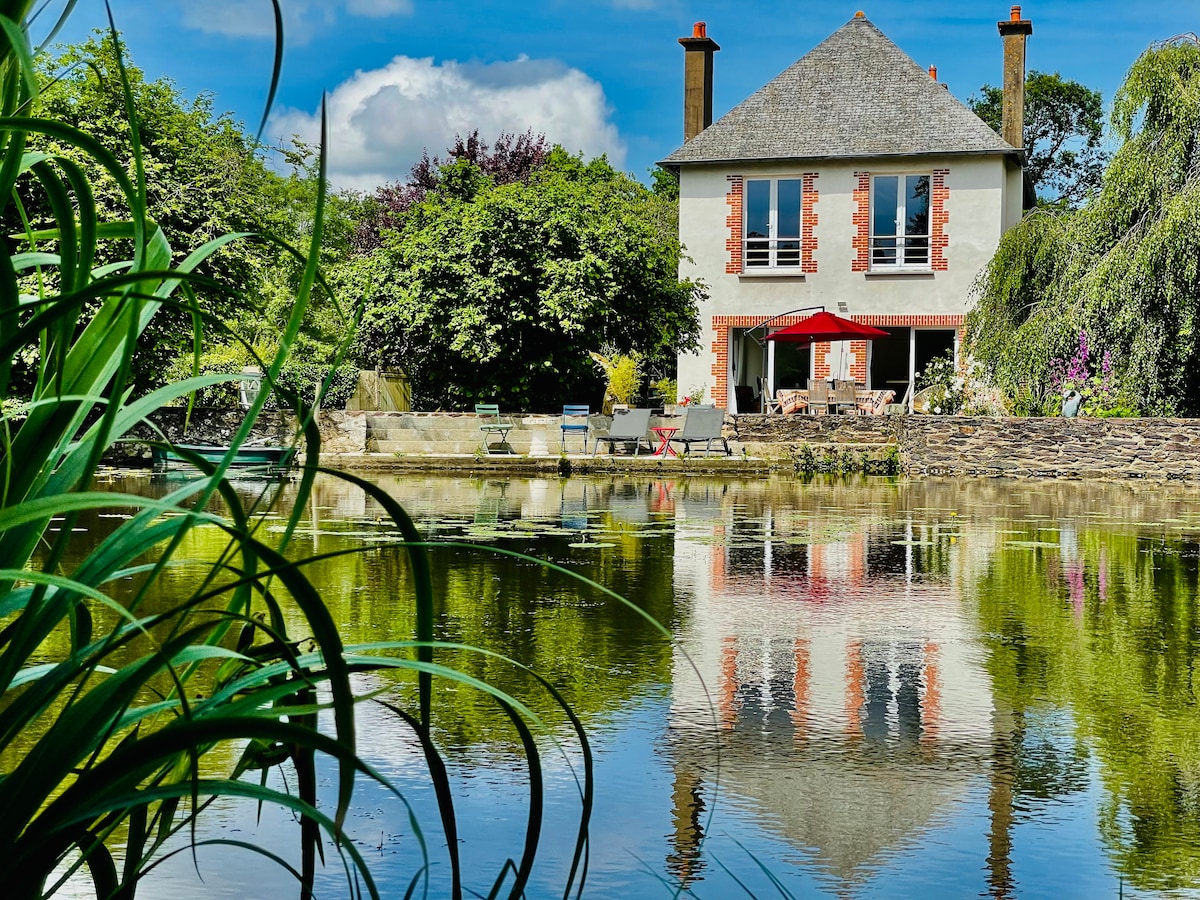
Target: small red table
665	433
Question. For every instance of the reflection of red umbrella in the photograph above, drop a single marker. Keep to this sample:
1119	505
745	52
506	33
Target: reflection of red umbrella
825	326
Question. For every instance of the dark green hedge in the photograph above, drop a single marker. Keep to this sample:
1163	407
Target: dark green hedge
305	378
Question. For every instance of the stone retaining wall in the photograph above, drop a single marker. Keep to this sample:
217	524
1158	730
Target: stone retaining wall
207	425
1157	449
970	445
1052	447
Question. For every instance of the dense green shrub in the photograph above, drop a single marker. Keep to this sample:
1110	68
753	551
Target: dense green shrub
296	379
303	380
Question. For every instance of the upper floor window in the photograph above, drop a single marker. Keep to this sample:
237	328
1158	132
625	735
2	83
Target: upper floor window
900	221
772	220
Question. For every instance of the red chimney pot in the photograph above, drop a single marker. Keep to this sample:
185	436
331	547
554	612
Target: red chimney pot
699	29
1015	13
933	72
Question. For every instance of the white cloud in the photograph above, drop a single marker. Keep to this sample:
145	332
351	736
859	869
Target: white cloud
379	9
232	18
381	120
301	18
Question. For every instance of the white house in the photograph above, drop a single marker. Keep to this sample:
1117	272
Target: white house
854	182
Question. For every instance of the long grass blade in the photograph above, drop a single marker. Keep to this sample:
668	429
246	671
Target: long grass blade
276	69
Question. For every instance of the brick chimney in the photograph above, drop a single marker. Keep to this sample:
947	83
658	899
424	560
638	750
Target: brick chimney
1013	32
697	81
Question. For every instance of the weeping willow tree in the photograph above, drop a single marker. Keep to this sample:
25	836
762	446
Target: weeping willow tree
1124	269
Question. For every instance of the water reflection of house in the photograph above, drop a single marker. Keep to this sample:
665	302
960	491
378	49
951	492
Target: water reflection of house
850	703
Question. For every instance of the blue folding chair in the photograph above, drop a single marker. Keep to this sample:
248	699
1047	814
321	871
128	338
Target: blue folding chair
572	426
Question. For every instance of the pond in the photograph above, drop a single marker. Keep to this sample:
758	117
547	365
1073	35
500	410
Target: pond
865	688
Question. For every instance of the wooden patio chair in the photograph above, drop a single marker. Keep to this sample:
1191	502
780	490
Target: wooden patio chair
844	400
771	405
818	396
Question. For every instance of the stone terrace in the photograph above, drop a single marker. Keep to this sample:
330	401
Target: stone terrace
1156	449
927	445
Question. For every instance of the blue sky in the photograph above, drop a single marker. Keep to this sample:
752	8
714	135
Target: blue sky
600	76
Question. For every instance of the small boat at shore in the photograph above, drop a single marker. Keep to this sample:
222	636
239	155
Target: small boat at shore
261	458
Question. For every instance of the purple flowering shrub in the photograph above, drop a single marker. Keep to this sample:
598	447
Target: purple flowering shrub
1092	377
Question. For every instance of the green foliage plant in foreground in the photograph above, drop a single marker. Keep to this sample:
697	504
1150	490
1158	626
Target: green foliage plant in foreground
122	720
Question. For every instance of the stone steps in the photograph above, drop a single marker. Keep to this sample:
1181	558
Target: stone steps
407	434
446	448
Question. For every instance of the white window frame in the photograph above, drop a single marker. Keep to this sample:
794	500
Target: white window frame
770	262
901	239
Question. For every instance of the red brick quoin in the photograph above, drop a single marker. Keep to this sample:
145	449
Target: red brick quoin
937	221
862	222
734	221
808	222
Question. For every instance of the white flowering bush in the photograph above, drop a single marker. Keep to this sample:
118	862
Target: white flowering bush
954	391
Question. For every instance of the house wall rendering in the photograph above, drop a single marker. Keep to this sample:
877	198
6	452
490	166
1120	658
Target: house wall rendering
982	198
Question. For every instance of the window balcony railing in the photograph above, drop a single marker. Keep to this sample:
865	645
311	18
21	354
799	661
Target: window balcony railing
771	253
910	250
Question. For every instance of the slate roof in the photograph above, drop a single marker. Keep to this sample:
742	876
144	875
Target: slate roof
856	94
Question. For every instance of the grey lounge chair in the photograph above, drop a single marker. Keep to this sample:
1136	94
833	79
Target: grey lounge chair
703	424
629	426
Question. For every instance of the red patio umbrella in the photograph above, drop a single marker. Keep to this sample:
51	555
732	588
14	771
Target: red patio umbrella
825	326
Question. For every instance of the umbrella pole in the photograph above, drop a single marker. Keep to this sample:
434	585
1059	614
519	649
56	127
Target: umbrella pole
765	322
768	354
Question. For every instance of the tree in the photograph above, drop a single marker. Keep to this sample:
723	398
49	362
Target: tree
664	184
205	177
291	199
1063	129
1124	270
510	158
1120	657
500	291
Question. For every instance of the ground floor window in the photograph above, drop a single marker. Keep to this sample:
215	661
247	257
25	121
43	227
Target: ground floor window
895	361
757	365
